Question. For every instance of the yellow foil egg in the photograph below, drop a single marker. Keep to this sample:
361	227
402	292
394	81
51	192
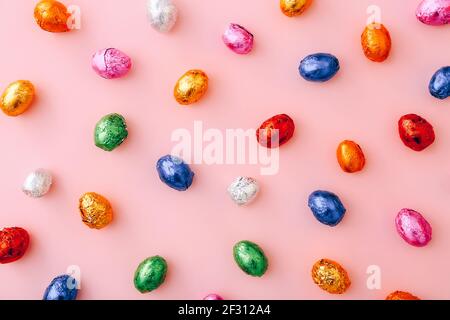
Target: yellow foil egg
330	276
376	42
191	87
51	16
17	97
292	8
350	156
96	211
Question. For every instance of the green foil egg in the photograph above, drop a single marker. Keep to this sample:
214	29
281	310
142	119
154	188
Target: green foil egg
150	274
250	258
110	132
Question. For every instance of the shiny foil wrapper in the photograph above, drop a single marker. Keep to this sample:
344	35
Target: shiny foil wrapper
330	276
243	190
275	131
292	8
96	211
413	227
110	131
37	183
376	42
416	132
213	296
111	63
17	97
250	258
162	14
434	12
63	287
191	87
238	39
439	86
350	156
150	274
14	243
319	67
401	295
52	16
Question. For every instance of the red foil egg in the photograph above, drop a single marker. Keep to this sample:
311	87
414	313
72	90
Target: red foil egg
415	132
275	131
13	244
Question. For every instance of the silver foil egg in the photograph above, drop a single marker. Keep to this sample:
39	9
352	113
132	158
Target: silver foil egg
243	190
162	14
37	183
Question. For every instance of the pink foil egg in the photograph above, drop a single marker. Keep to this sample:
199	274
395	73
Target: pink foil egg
434	12
213	296
413	227
238	39
111	63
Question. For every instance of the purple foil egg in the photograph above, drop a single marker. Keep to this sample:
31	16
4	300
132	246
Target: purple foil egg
111	63
413	227
213	296
238	39
434	12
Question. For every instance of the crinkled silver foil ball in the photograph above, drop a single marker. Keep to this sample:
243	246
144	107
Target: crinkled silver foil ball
243	190
37	183
162	14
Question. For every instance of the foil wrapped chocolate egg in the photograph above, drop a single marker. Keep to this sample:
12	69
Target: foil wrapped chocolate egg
52	16
150	274
250	258
440	83
191	87
415	132
238	39
434	12
96	211
213	296
111	63
326	207
413	227
17	97
63	287
174	172
14	243
110	131
319	67
162	14
350	156
330	276
401	295
275	131
243	190
292	8
376	42
37	183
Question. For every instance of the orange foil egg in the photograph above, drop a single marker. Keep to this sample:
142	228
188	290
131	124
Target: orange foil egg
330	276
292	8
350	156
376	42
401	295
52	16
17	97
191	87
96	211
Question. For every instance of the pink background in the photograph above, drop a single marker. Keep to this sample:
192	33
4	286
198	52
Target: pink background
196	230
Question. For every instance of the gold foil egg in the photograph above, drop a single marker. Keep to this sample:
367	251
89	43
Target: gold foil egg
51	16
350	156
96	211
292	8
191	87
330	276
401	295
376	42
17	97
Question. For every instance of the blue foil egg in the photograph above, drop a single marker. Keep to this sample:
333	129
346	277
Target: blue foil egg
326	207
174	172
440	83
319	67
63	287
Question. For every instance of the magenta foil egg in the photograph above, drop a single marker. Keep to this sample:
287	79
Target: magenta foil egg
238	39
413	227
434	12
111	63
213	296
